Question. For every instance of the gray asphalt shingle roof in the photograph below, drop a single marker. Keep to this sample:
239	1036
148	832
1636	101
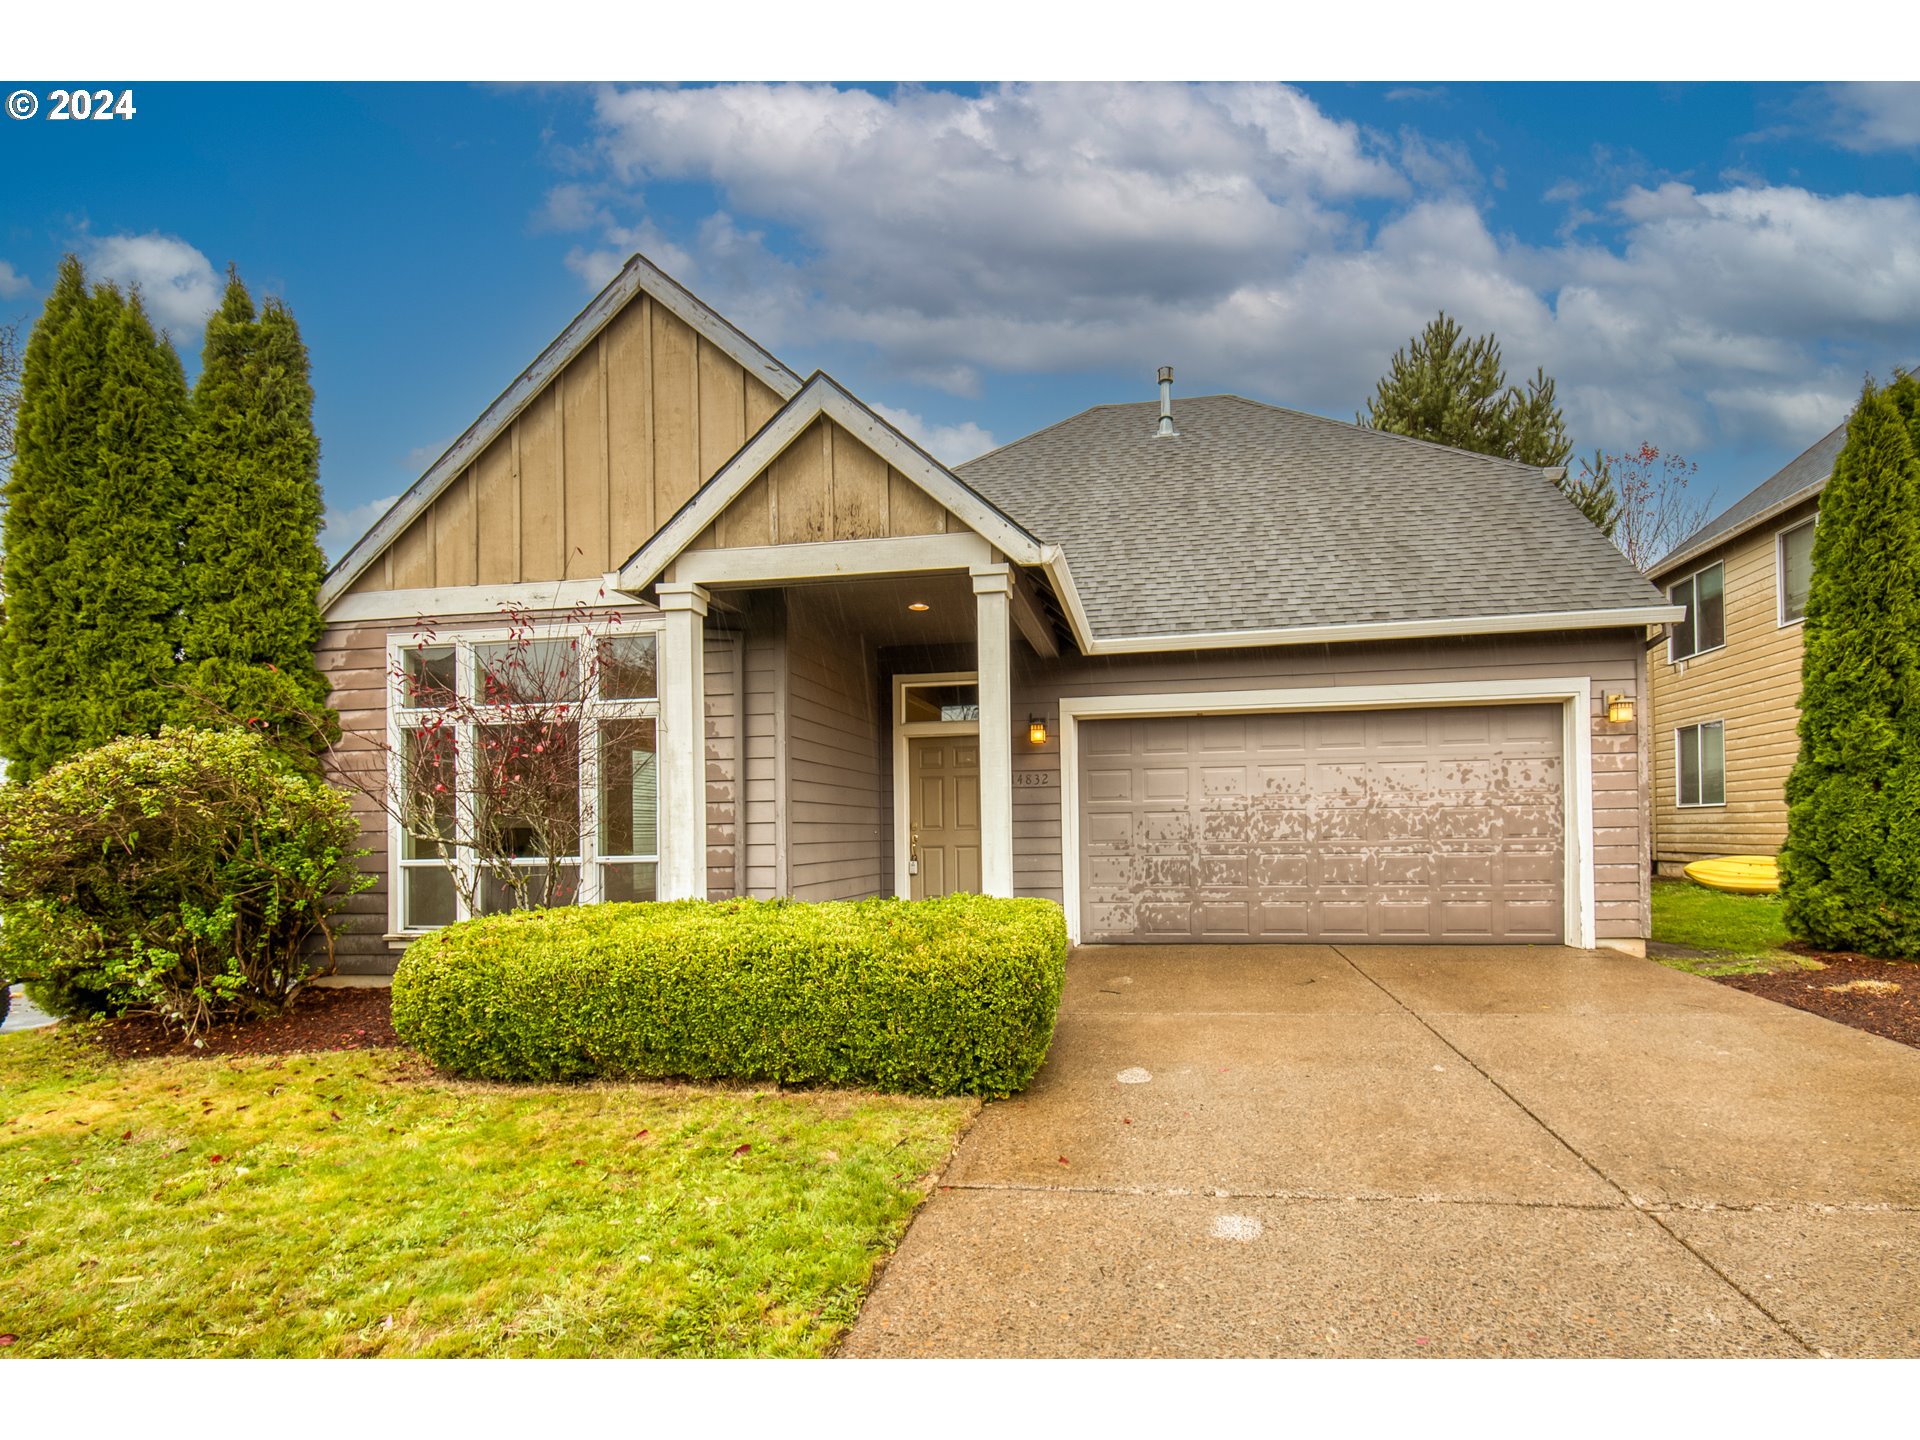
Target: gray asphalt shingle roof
1259	518
1804	475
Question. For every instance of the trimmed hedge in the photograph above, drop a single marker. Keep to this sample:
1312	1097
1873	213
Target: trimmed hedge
946	997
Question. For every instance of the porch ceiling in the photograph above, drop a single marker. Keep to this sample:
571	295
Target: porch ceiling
877	609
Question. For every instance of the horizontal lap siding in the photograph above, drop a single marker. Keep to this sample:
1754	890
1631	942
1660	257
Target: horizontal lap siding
1752	686
723	768
764	770
1609	659
839	803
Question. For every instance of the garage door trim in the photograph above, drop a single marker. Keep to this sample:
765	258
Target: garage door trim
1574	694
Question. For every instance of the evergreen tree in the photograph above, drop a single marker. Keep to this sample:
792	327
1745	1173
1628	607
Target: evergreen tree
253	558
1453	390
92	537
1850	870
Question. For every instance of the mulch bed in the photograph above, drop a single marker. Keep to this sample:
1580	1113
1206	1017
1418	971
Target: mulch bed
321	1019
1895	1015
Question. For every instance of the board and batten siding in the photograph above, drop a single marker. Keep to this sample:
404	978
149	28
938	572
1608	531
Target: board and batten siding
354	659
826	485
1752	686
1610	659
601	457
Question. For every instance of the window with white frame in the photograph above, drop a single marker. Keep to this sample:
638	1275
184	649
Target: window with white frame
1702	763
524	770
1705	626
1794	564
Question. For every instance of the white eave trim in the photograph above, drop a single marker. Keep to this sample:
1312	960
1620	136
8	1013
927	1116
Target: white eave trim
488	600
1388	630
638	274
822	396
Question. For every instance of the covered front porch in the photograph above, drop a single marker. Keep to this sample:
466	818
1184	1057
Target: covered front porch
848	734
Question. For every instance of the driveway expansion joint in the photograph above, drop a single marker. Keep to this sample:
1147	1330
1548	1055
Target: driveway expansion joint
1184	1192
1632	1201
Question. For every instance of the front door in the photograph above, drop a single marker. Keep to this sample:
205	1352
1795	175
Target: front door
943	855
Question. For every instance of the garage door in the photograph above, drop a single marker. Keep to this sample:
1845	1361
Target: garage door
1383	825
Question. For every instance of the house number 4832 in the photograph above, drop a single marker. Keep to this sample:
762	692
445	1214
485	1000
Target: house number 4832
1031	779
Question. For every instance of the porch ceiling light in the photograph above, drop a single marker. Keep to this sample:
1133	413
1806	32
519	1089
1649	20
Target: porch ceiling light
1619	709
1036	730
918	605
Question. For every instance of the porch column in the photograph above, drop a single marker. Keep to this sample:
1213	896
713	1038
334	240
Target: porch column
683	742
992	601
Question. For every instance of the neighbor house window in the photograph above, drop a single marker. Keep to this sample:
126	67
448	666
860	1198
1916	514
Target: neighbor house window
1795	566
526	768
1705	628
1703	764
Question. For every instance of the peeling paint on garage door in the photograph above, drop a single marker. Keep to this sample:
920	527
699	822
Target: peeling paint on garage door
1386	825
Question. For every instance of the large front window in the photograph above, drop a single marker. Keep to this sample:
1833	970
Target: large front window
525	768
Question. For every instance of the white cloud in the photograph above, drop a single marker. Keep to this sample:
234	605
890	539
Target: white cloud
1044	229
1875	115
177	282
12	283
949	444
339	528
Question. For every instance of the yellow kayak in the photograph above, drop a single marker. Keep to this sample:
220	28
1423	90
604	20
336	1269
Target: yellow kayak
1742	874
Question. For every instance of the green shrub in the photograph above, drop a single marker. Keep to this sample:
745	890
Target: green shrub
949	996
183	873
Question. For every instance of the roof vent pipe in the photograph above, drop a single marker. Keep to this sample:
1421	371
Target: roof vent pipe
1166	430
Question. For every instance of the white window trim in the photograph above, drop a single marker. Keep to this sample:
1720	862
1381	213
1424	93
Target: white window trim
903	731
1780	572
592	710
1680	803
1694	606
1574	694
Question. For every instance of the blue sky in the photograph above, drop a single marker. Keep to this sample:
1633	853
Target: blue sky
1710	267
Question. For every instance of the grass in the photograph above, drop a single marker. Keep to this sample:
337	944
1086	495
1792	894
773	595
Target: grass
1743	932
357	1204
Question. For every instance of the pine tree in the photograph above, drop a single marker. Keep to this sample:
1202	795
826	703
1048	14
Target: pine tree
253	558
92	562
1850	871
1453	390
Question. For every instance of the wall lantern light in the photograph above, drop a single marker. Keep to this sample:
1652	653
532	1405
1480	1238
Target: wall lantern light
1036	730
1619	709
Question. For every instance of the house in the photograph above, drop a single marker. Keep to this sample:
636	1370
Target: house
1199	669
1726	680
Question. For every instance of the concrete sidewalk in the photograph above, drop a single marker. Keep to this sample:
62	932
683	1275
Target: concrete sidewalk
1416	1151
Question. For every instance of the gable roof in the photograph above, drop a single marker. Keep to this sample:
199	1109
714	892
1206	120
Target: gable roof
637	275
823	395
1258	523
1800	479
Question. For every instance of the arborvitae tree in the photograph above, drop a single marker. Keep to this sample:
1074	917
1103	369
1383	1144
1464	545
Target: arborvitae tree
253	558
56	442
1850	871
92	530
1453	390
125	549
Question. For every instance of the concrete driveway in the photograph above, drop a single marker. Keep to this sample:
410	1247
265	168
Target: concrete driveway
1385	1151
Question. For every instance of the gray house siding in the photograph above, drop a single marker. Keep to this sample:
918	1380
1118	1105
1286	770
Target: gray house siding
839	802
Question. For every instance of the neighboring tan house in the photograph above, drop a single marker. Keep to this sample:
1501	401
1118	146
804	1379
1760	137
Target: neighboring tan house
1239	674
1726	680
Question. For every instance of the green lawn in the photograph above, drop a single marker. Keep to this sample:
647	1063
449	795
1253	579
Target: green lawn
356	1204
1744	931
